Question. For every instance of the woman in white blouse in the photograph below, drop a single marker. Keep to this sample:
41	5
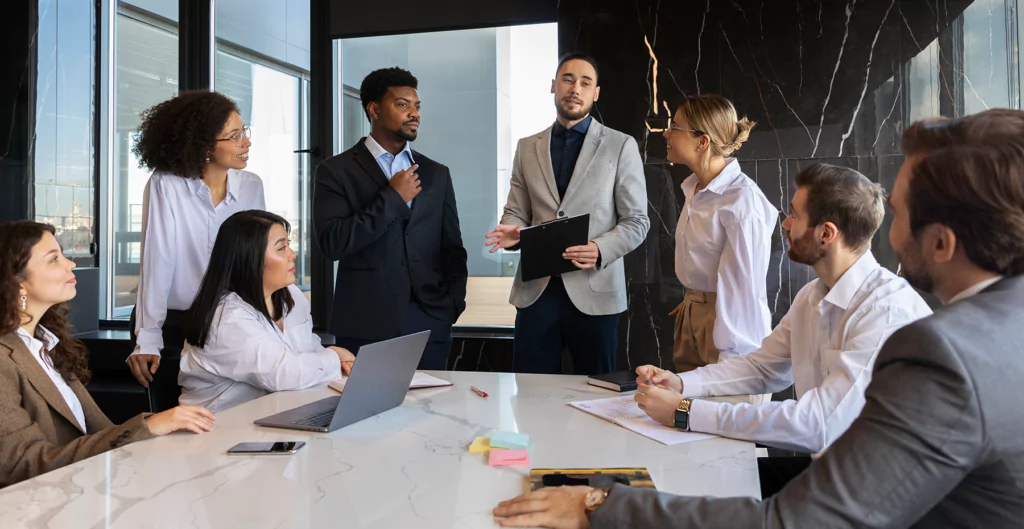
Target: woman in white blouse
249	331
47	418
197	146
723	240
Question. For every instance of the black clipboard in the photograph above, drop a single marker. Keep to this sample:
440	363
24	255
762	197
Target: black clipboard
541	246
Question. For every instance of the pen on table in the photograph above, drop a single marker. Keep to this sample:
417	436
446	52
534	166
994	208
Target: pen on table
478	391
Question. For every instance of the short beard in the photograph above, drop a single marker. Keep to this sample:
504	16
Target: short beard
406	136
572	116
804	251
912	269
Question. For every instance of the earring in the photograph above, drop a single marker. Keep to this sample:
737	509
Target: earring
207	159
24	303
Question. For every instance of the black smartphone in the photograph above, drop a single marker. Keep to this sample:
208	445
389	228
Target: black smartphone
593	480
278	448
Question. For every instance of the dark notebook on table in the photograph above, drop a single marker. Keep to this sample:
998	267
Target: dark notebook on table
542	246
617	381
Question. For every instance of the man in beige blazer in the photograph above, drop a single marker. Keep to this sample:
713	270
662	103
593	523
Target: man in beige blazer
577	166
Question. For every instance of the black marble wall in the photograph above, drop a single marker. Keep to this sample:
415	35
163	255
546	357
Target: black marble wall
827	81
17	32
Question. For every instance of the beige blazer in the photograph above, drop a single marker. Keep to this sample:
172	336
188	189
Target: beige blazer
608	183
38	432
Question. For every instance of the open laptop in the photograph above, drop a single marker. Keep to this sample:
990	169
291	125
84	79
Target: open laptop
378	381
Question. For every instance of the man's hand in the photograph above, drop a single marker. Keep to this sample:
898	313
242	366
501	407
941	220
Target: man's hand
658	402
657	376
503	237
583	257
407	183
555	507
144	367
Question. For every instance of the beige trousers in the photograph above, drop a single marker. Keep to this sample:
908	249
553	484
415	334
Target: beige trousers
694	343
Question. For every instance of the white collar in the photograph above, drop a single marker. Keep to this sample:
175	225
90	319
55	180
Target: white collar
49	340
972	290
377	151
841	294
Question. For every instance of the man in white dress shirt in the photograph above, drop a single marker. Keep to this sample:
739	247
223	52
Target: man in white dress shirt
826	345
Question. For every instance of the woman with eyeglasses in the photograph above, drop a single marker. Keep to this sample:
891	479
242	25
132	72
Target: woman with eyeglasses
723	239
197	147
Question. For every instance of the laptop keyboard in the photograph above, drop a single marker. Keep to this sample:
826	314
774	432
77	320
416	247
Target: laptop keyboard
322	419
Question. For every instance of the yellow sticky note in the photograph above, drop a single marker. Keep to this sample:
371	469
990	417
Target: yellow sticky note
481	444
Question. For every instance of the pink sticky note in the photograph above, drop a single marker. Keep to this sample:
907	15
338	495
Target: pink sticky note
510	458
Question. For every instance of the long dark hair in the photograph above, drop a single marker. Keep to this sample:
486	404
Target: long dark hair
177	135
236	265
69	357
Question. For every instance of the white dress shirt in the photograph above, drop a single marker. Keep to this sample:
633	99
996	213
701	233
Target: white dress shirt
826	346
36	348
389	163
723	245
974	290
246	356
179	226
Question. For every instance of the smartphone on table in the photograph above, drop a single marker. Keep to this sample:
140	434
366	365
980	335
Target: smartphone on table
267	448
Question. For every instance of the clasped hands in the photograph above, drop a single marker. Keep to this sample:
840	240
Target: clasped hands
506	236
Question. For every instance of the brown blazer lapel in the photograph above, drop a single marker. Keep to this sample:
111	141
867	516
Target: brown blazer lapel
37	377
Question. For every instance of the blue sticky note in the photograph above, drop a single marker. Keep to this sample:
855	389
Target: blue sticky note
510	440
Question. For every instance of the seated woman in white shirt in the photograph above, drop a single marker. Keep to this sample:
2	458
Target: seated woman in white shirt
47	418
723	240
249	331
197	147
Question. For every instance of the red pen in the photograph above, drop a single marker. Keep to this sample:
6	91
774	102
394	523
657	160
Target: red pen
478	391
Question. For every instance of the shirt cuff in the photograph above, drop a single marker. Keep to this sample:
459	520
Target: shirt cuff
703	416
140	350
693	386
331	363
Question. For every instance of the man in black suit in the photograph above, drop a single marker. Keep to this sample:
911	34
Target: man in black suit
387	214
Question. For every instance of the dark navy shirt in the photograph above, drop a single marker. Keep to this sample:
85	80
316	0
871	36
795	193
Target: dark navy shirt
565	150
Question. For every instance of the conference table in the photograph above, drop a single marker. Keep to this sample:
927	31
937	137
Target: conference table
406	468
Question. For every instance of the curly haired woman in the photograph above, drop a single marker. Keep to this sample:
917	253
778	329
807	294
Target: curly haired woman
197	147
47	418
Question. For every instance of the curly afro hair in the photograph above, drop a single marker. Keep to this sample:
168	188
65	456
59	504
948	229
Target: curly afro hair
376	84
175	136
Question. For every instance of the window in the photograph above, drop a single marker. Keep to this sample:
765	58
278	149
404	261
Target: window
63	159
146	63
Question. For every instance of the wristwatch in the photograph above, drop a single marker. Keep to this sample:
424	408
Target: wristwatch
594	499
683	415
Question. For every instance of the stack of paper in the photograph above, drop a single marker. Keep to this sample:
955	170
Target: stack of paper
625	412
419	381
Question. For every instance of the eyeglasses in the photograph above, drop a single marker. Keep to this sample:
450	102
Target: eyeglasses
237	137
673	126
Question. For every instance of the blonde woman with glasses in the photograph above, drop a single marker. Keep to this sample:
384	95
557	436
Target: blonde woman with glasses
197	147
723	239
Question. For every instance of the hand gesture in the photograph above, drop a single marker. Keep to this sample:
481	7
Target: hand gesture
652	375
407	183
503	237
583	257
346	357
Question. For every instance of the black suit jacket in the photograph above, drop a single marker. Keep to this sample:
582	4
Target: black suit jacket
387	253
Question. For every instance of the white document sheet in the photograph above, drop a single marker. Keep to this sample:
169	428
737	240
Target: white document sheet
625	412
420	380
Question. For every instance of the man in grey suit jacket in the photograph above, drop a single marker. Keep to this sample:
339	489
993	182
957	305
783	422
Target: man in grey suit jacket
940	441
575	167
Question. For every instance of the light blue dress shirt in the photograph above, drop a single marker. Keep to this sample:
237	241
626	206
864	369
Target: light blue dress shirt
388	162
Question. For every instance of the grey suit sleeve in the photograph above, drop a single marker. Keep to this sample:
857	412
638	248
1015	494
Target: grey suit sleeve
919	434
630	206
518	211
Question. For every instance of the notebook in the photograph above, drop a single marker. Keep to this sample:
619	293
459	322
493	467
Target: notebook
420	380
593	477
618	381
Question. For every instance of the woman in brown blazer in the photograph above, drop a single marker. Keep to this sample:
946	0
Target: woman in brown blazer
47	418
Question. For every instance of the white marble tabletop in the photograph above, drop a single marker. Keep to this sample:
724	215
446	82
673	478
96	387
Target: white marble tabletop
406	468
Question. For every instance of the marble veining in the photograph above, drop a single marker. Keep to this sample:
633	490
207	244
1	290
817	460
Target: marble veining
408	467
834	82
